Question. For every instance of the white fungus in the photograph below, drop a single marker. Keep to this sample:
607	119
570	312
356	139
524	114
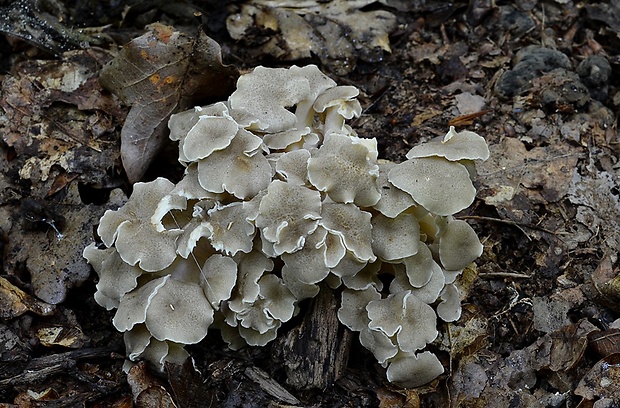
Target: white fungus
281	199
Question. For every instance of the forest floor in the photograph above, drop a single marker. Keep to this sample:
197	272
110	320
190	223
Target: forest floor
539	326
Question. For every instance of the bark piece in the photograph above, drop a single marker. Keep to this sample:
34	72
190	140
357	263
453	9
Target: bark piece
316	352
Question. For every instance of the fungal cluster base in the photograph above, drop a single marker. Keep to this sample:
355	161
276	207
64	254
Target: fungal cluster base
280	195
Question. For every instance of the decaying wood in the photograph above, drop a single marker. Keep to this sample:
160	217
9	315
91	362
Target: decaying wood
316	352
39	369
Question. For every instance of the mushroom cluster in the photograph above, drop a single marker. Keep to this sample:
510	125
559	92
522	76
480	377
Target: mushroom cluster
280	195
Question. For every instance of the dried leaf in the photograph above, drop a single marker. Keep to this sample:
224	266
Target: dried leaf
602	382
160	73
188	387
605	342
14	302
147	390
338	31
23	19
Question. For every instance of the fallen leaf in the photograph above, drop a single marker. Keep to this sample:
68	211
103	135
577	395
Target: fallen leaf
147	390
158	74
15	302
602	382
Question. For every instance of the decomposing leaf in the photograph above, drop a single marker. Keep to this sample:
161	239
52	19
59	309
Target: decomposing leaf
605	342
54	261
598	204
188	386
14	302
147	390
62	330
542	173
602	382
56	115
339	32
158	74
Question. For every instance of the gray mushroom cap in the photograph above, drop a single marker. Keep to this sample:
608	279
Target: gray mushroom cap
130	228
440	186
345	171
453	146
404	315
179	312
412	370
458	246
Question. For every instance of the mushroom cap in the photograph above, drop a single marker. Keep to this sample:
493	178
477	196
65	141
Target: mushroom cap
136	341
343	97
440	186
266	93
293	166
393	200
115	276
287	214
219	276
343	169
367	277
209	134
449	310
410	370
404	315
381	346
132	307
453	146
179	312
458	245
240	169
131	229
352	225
395	238
352	312
231	230
308	264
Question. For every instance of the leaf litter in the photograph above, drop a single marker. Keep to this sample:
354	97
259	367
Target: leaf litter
545	292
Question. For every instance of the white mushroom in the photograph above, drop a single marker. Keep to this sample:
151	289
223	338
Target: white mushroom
393	200
287	214
404	315
458	246
240	169
337	104
345	171
352	225
130	229
395	238
453	146
179	312
410	370
440	186
115	276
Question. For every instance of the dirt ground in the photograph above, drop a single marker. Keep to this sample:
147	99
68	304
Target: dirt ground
539	326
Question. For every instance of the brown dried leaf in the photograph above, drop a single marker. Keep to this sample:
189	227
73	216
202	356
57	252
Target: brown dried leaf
188	386
49	240
160	73
14	302
605	342
147	390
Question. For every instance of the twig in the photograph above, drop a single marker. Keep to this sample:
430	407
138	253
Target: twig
504	275
513	223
